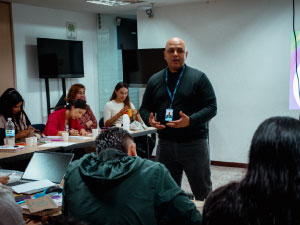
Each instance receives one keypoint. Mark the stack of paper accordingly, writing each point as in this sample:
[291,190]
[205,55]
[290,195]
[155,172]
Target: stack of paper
[6,148]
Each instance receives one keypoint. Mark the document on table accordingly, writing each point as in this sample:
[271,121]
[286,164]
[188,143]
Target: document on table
[57,144]
[33,186]
[80,138]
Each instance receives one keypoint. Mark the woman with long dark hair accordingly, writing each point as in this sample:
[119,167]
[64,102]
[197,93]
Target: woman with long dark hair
[270,192]
[11,106]
[69,116]
[118,105]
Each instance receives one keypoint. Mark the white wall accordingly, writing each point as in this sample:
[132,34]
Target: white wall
[244,48]
[30,22]
[109,60]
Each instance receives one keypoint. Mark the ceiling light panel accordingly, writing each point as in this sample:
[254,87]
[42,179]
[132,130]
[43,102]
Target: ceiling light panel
[114,2]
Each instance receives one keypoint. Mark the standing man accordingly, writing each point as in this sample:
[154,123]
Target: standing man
[186,94]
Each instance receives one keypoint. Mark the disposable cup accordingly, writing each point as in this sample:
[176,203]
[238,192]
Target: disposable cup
[34,141]
[29,142]
[129,112]
[95,132]
[65,136]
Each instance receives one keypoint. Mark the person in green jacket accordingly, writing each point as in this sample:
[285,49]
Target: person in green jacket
[115,186]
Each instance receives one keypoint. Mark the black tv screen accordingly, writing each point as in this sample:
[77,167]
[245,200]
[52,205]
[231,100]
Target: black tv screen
[140,64]
[60,58]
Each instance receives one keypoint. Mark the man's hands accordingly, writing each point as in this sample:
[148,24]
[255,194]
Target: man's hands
[184,121]
[154,123]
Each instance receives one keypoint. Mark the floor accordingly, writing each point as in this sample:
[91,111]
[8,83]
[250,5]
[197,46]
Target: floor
[220,176]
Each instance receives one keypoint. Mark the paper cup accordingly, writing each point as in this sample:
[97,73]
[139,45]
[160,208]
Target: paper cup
[29,142]
[95,132]
[65,136]
[34,141]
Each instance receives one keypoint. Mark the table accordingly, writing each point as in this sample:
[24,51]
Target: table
[9,157]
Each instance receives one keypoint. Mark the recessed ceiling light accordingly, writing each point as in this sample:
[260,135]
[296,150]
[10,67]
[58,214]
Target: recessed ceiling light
[113,2]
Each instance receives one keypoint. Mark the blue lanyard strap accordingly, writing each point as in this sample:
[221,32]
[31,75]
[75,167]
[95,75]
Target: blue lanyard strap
[177,84]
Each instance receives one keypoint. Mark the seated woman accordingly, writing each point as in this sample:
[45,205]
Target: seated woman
[67,116]
[88,120]
[118,105]
[270,192]
[12,103]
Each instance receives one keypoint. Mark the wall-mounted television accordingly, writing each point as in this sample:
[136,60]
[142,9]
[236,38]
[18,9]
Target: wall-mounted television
[60,58]
[140,64]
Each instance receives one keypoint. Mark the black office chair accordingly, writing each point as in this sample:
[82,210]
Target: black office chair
[2,136]
[101,122]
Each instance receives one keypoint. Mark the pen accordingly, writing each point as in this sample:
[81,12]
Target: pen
[56,140]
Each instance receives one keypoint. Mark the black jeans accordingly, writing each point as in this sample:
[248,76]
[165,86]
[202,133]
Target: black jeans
[192,157]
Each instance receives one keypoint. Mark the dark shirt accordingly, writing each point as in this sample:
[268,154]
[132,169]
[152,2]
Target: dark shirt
[172,79]
[195,97]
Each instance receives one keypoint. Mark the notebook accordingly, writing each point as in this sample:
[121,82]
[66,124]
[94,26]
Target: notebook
[50,166]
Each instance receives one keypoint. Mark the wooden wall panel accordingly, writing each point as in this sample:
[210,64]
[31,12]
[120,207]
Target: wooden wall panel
[7,74]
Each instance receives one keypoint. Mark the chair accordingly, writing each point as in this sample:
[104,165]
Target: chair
[39,127]
[2,136]
[101,122]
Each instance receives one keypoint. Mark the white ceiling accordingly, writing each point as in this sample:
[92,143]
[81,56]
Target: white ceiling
[82,6]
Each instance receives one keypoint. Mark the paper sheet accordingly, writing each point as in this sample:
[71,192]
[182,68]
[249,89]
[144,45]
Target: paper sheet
[31,186]
[80,138]
[57,144]
[39,204]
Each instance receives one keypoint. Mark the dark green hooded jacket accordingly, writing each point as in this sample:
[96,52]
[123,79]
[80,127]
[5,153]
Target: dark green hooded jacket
[114,188]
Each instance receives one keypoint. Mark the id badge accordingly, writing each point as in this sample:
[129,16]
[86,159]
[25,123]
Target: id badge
[169,115]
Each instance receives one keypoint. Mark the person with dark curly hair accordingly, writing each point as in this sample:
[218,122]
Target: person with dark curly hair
[12,104]
[270,192]
[69,116]
[114,186]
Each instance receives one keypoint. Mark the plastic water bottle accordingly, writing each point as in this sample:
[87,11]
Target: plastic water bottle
[10,132]
[126,122]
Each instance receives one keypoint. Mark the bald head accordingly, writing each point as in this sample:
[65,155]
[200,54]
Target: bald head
[175,53]
[174,41]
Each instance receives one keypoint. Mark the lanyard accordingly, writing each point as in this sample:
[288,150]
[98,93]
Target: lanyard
[178,81]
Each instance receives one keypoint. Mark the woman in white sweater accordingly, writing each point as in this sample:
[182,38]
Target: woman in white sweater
[118,105]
